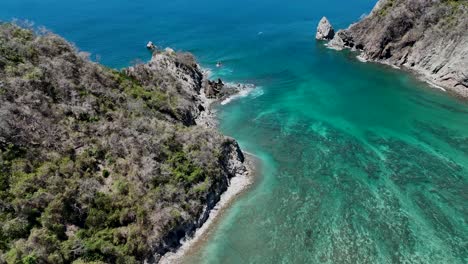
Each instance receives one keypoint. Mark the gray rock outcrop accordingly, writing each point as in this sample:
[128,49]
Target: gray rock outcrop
[181,74]
[325,30]
[425,36]
[341,40]
[213,88]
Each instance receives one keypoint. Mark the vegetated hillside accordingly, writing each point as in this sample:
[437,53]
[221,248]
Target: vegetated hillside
[98,164]
[427,36]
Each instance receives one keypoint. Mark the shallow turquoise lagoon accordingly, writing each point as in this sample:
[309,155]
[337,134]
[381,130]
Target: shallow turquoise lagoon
[362,163]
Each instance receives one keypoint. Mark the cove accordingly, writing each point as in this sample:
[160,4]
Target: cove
[367,167]
[361,163]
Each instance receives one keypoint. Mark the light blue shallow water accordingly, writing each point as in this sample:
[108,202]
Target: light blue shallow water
[361,163]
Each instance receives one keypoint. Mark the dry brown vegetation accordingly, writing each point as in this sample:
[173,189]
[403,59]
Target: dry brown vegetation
[97,164]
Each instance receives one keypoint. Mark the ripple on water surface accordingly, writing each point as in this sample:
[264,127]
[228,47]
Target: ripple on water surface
[350,180]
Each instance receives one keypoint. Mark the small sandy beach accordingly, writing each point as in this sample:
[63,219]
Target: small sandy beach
[238,185]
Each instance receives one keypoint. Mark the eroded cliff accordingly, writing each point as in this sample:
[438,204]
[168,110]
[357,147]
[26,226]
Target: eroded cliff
[429,37]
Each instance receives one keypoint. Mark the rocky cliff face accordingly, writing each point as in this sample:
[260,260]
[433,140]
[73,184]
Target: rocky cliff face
[98,164]
[182,78]
[325,30]
[429,37]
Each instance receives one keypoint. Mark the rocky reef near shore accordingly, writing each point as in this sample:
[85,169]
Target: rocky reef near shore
[429,37]
[99,165]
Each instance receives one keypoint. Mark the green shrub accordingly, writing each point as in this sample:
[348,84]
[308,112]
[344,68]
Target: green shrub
[202,187]
[121,187]
[23,35]
[29,259]
[184,170]
[388,5]
[105,173]
[16,228]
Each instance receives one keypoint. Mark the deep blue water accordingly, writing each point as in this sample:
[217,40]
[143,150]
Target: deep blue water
[118,30]
[361,163]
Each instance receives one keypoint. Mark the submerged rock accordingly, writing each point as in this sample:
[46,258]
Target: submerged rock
[325,30]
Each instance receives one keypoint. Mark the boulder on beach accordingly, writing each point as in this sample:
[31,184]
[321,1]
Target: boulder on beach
[325,30]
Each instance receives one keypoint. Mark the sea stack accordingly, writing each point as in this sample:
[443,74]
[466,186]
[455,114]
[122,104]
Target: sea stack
[325,30]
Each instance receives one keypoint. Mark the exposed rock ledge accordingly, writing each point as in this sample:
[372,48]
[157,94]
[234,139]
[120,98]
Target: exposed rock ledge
[325,30]
[424,36]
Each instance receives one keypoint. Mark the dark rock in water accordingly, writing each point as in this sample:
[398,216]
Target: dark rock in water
[150,46]
[428,37]
[325,30]
[213,88]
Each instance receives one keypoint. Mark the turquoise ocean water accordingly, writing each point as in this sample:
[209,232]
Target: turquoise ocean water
[362,163]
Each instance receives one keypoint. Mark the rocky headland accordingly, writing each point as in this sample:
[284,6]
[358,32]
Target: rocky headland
[105,166]
[428,37]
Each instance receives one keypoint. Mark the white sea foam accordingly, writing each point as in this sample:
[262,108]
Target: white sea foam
[257,92]
[223,71]
[436,86]
[242,93]
[245,90]
[361,58]
[207,72]
[220,72]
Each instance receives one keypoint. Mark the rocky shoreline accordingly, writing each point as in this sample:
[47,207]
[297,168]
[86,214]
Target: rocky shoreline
[241,165]
[238,185]
[428,38]
[118,165]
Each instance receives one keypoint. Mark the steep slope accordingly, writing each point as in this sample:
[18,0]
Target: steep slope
[427,36]
[98,164]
